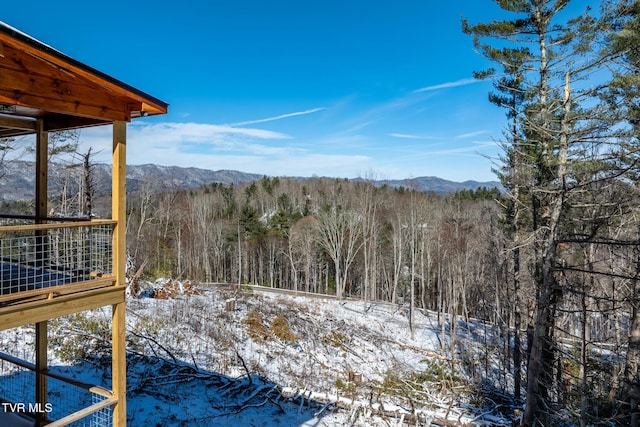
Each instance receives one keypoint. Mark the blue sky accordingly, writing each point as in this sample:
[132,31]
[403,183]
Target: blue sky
[289,88]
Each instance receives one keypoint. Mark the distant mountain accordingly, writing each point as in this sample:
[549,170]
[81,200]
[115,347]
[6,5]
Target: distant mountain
[438,185]
[17,179]
[174,177]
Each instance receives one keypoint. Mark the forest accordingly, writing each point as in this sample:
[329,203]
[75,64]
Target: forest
[451,254]
[551,260]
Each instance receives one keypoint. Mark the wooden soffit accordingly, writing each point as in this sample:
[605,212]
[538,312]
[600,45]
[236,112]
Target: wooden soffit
[37,81]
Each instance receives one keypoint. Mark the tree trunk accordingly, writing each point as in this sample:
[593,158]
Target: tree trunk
[539,370]
[631,369]
[517,357]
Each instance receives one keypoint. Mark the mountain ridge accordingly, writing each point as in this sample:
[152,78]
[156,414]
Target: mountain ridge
[17,179]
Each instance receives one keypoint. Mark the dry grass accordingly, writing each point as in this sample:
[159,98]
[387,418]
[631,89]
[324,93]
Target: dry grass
[255,326]
[280,328]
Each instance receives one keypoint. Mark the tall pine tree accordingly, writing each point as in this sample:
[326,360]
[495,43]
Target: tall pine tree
[558,143]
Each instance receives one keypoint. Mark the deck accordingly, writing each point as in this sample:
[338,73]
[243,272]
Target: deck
[16,278]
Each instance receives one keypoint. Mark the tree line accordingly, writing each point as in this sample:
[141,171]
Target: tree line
[334,236]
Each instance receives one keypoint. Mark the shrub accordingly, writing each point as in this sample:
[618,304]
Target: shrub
[346,387]
[255,326]
[336,339]
[80,337]
[280,328]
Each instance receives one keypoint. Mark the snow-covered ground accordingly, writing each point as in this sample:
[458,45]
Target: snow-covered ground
[273,359]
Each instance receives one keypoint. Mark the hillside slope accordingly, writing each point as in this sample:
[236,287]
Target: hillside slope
[223,356]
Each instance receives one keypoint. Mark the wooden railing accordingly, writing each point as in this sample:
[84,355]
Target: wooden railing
[47,260]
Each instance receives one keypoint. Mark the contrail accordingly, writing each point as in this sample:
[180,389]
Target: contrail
[448,85]
[282,116]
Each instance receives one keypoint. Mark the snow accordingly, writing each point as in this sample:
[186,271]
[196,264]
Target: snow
[191,362]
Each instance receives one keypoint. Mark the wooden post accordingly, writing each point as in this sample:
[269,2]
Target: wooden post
[42,178]
[42,388]
[118,327]
[42,158]
[42,170]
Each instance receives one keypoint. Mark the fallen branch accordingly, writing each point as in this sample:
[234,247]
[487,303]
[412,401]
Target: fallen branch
[175,361]
[244,365]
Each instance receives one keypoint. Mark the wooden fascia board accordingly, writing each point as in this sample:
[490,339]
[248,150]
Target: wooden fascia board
[152,109]
[73,67]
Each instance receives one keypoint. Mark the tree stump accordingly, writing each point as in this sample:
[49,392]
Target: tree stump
[354,377]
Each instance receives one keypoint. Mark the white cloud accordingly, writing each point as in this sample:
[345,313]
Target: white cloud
[145,139]
[461,150]
[221,147]
[199,131]
[324,152]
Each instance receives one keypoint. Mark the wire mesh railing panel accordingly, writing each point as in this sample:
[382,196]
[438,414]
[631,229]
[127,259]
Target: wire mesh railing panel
[17,384]
[101,418]
[39,258]
[84,252]
[64,398]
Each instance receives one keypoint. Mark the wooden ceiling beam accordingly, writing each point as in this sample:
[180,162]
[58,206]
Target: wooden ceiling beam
[55,122]
[17,126]
[72,107]
[18,123]
[10,133]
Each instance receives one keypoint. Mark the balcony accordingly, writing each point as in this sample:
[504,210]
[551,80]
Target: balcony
[47,271]
[52,267]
